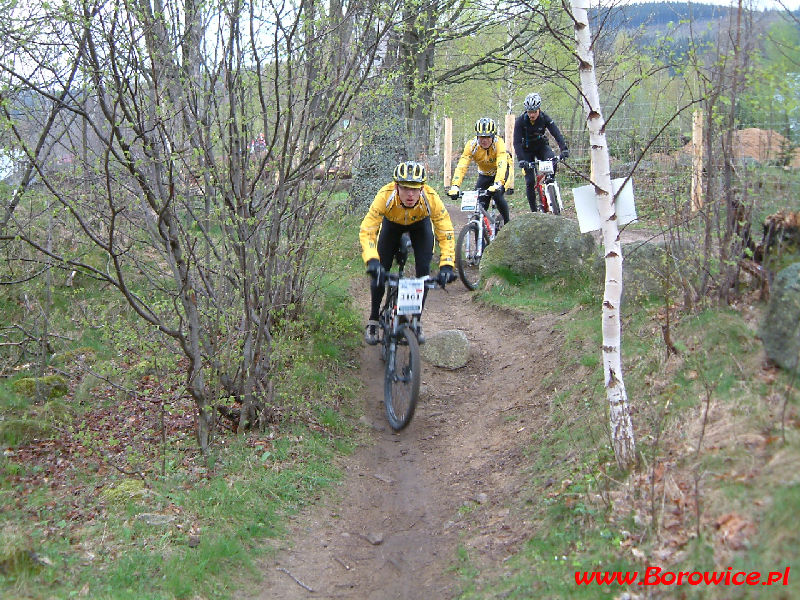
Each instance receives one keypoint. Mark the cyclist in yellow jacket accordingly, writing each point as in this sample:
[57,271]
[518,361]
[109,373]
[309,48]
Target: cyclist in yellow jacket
[495,168]
[405,204]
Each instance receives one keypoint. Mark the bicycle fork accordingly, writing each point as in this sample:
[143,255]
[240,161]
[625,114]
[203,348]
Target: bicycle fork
[391,362]
[479,241]
[392,335]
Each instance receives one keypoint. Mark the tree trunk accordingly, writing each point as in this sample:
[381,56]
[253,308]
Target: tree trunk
[418,52]
[622,437]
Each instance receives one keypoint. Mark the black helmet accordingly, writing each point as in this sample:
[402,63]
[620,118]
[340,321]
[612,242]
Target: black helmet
[486,127]
[410,174]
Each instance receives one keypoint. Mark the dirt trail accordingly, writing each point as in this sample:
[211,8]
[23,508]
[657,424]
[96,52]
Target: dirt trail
[408,500]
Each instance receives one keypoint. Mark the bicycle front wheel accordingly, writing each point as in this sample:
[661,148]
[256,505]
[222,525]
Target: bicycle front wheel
[552,199]
[401,383]
[468,260]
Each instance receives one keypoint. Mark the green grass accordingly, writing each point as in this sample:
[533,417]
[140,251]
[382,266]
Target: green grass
[545,294]
[243,491]
[244,501]
[88,526]
[573,476]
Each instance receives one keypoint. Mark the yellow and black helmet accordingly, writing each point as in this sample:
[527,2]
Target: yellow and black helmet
[486,127]
[410,174]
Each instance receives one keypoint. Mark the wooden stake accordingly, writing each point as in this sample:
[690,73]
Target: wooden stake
[697,161]
[448,152]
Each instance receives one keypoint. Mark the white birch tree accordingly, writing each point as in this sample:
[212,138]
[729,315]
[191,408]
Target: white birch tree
[622,437]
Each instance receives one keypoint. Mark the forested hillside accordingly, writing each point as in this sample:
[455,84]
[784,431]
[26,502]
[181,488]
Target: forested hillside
[668,26]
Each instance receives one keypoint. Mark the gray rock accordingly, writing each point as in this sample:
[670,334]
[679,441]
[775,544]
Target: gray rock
[646,272]
[155,518]
[375,538]
[644,268]
[780,330]
[447,349]
[538,244]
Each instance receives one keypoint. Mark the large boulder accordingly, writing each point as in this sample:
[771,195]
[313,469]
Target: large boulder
[780,330]
[47,387]
[643,269]
[538,244]
[650,266]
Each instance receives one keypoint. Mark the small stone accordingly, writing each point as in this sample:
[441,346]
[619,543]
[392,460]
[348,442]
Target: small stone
[155,518]
[375,538]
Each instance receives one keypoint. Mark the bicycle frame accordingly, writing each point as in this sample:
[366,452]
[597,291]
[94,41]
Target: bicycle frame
[399,326]
[487,223]
[391,313]
[544,171]
[480,230]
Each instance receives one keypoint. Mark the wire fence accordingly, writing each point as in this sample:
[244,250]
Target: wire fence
[765,160]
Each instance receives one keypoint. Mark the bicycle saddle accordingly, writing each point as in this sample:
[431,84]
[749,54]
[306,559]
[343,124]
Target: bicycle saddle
[404,249]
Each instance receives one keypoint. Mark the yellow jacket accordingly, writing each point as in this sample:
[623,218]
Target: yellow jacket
[493,161]
[387,204]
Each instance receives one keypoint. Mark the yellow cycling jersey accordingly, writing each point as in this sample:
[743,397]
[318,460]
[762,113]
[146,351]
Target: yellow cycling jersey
[492,161]
[387,204]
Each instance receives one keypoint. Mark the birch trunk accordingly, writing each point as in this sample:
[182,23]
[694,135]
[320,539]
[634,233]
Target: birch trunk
[622,437]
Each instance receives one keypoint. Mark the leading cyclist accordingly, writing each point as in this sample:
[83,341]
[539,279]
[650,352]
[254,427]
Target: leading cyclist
[405,204]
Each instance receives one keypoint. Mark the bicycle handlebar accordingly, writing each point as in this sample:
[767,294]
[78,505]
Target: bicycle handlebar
[431,282]
[531,164]
[482,193]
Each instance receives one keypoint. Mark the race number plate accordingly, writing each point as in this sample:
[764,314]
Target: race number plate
[469,200]
[545,166]
[409,296]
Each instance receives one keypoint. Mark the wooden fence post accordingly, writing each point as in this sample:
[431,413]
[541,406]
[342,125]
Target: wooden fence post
[697,161]
[447,155]
[509,131]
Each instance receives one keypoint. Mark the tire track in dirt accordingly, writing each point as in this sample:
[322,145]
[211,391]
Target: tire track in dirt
[408,500]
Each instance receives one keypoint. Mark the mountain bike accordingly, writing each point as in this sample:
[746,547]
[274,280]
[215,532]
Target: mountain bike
[399,334]
[480,230]
[547,188]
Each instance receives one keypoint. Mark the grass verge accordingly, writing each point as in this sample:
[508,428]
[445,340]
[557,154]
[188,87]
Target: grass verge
[103,491]
[716,427]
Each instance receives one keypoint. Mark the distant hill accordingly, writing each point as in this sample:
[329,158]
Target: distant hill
[650,22]
[657,14]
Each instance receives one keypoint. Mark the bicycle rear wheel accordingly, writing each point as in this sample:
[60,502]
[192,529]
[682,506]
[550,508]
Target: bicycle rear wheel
[401,381]
[467,259]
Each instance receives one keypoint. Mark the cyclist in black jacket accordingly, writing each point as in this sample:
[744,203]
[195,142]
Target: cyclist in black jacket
[530,142]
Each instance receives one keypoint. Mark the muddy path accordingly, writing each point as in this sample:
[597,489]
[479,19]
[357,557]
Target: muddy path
[409,500]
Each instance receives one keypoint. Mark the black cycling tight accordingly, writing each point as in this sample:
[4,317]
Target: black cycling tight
[540,153]
[485,182]
[421,234]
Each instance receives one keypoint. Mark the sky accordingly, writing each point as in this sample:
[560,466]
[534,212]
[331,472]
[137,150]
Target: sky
[774,4]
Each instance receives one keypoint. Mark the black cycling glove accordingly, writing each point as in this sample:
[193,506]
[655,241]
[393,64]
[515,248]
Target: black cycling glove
[446,275]
[376,271]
